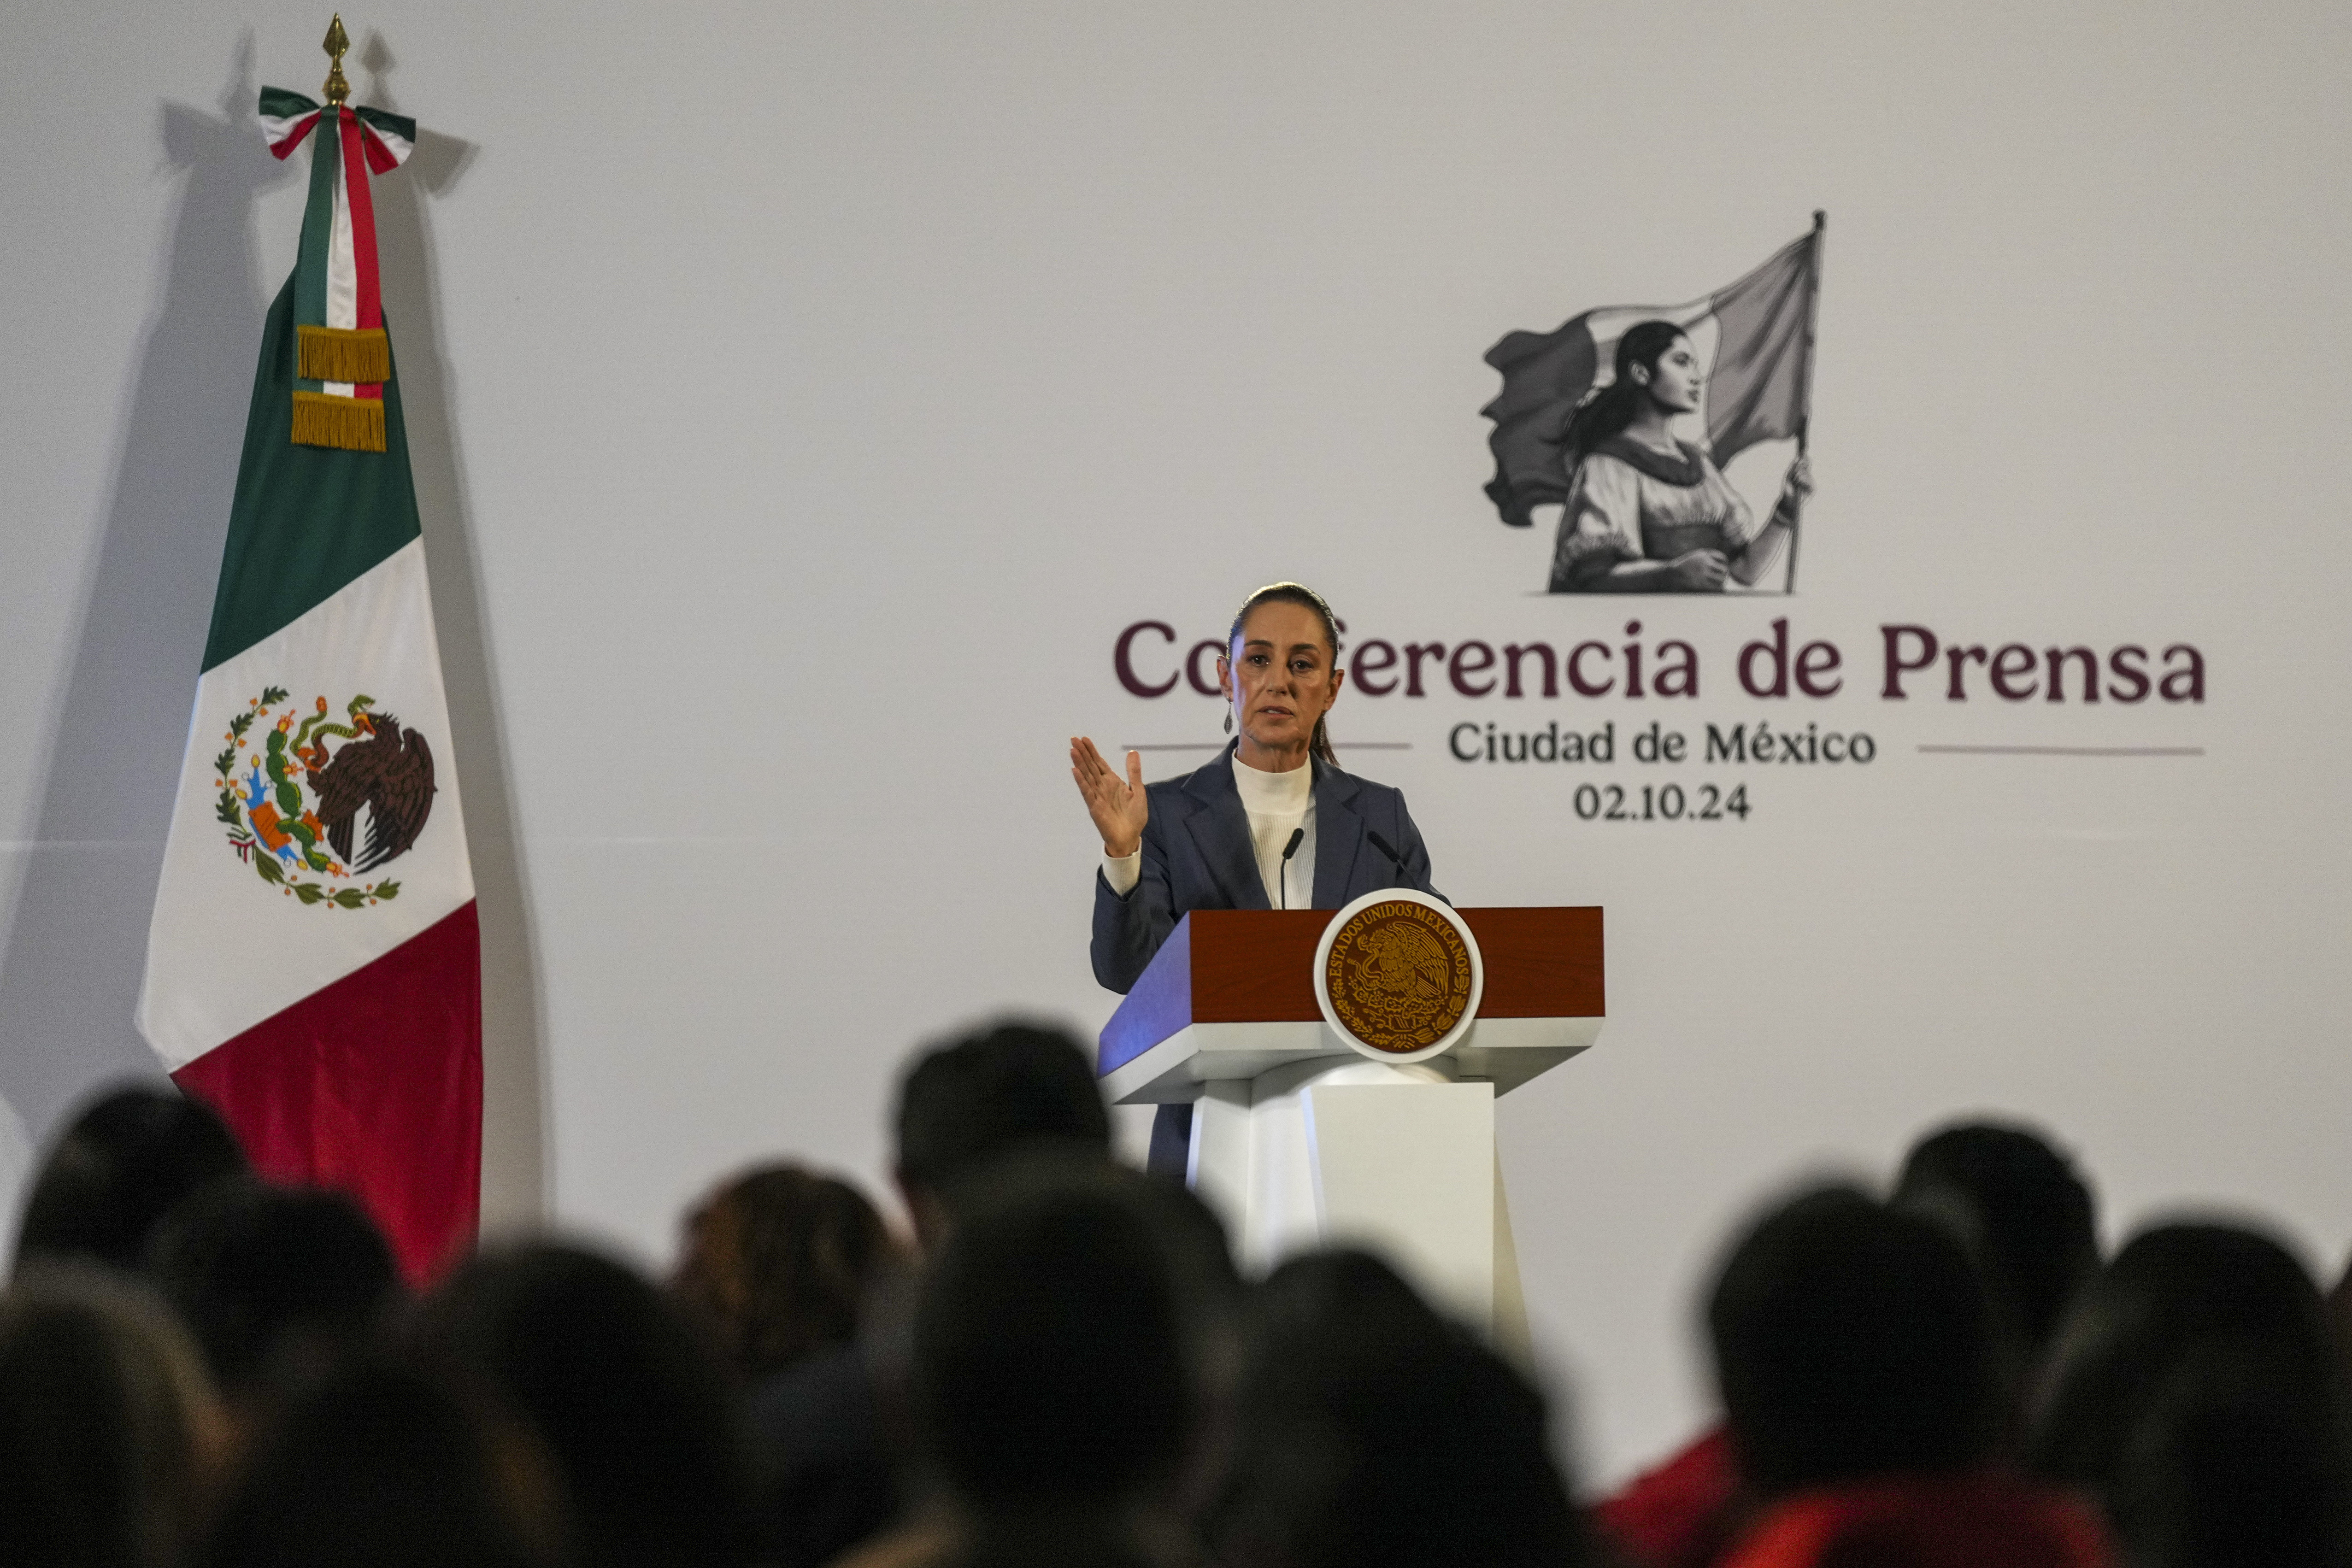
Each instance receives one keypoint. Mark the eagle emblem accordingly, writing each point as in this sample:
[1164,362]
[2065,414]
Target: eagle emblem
[1398,976]
[294,802]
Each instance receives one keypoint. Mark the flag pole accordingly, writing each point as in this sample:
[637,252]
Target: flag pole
[1805,426]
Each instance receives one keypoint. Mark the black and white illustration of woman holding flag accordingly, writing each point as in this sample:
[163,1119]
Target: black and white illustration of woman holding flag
[1599,457]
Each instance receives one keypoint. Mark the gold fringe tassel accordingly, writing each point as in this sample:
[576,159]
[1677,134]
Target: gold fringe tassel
[360,355]
[353,424]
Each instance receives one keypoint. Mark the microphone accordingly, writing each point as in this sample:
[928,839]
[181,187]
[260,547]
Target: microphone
[1288,850]
[1381,845]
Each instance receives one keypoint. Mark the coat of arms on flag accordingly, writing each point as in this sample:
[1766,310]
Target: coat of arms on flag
[1611,432]
[318,979]
[381,772]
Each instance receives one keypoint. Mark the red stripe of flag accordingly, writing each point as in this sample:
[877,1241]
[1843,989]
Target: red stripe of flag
[355,183]
[373,1085]
[283,148]
[379,156]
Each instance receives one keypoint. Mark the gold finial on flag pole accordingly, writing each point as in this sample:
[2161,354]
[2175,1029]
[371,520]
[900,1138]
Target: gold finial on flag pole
[337,89]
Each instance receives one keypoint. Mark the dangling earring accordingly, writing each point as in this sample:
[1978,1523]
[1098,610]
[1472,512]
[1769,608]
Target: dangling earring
[1229,721]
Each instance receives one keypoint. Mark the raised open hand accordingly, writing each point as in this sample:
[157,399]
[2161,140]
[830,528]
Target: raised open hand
[1119,806]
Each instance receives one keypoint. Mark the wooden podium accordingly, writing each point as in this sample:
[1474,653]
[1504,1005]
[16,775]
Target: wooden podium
[1299,1138]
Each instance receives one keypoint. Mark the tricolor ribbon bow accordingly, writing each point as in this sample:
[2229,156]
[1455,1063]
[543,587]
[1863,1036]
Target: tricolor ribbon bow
[341,358]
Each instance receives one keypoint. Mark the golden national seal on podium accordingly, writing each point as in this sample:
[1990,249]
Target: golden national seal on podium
[1398,975]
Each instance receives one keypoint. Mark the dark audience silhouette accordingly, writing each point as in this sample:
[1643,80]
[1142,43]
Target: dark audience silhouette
[382,1467]
[277,1284]
[2198,1393]
[631,1402]
[2027,1223]
[1066,1349]
[109,1440]
[1372,1433]
[1058,1366]
[1854,1351]
[123,1163]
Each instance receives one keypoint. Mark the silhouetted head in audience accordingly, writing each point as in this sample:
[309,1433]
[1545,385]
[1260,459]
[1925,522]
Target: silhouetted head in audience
[1851,1342]
[1069,1339]
[631,1401]
[277,1283]
[2238,1460]
[109,1437]
[119,1168]
[1371,1432]
[1340,1292]
[778,1263]
[2025,1219]
[975,1099]
[2173,1294]
[381,1467]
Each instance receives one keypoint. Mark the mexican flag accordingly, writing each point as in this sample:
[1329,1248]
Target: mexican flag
[313,967]
[1755,338]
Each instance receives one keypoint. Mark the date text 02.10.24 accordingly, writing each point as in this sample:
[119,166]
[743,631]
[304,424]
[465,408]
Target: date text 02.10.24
[1659,803]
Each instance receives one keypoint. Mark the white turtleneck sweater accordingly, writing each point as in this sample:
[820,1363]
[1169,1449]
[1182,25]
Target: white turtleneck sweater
[1277,805]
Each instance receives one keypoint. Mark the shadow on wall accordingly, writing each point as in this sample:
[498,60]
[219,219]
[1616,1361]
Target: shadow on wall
[72,957]
[514,1079]
[69,969]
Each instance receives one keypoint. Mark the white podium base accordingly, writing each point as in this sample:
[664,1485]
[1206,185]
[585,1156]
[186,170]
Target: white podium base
[1399,1160]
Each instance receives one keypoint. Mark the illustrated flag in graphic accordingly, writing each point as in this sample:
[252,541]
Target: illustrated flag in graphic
[313,967]
[1755,338]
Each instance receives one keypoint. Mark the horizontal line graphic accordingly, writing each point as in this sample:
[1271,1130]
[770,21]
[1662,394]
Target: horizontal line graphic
[2068,750]
[1220,745]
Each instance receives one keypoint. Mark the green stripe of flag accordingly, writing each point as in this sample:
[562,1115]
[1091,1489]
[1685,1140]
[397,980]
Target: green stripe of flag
[317,221]
[400,125]
[279,103]
[307,520]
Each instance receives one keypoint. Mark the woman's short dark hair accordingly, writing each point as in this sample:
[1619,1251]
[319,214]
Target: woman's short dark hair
[1346,1369]
[126,1160]
[1610,410]
[1297,593]
[632,1402]
[2174,1292]
[2021,1212]
[1851,1341]
[384,1467]
[973,1098]
[778,1261]
[107,1422]
[2240,1459]
[1067,1336]
[277,1283]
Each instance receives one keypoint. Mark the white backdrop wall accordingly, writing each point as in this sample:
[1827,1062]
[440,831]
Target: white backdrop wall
[803,397]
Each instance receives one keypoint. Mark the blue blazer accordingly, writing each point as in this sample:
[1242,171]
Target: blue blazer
[1197,855]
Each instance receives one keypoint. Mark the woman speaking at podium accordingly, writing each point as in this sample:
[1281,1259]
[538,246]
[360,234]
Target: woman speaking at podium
[1272,823]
